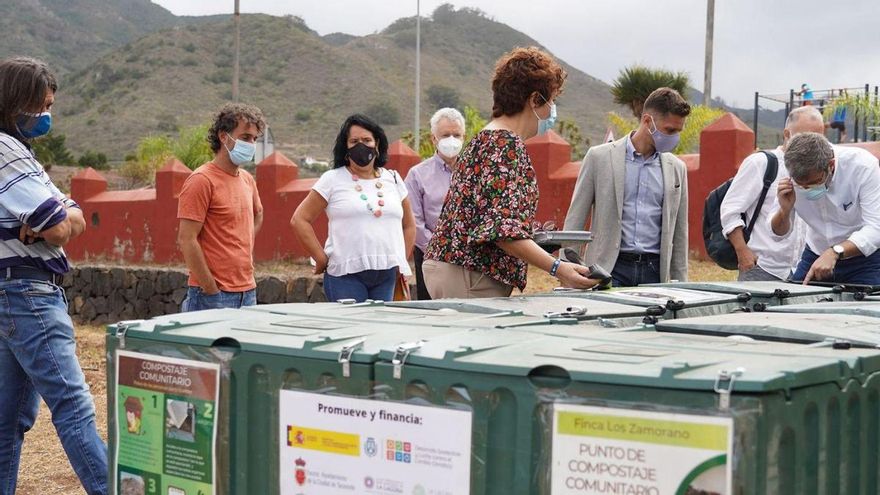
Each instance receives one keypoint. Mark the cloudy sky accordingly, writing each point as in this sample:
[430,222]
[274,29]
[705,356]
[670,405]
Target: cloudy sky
[760,45]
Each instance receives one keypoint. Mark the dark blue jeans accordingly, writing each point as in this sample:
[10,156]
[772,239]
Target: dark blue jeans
[38,359]
[856,270]
[628,273]
[368,284]
[196,300]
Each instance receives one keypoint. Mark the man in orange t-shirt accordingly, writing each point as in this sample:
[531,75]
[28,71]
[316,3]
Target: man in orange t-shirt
[220,213]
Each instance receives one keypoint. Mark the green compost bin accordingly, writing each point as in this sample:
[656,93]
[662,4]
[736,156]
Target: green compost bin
[862,308]
[664,299]
[761,417]
[762,294]
[257,358]
[806,328]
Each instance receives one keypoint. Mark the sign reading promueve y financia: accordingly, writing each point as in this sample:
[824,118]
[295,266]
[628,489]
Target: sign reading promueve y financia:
[331,445]
[600,450]
[166,425]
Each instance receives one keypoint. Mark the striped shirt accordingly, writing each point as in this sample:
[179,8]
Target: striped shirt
[28,196]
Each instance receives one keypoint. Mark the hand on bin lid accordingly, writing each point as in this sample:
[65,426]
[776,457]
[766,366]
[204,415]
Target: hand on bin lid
[596,271]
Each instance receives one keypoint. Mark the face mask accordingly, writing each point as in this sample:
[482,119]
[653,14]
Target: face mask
[545,125]
[449,146]
[663,143]
[33,125]
[815,193]
[361,154]
[242,152]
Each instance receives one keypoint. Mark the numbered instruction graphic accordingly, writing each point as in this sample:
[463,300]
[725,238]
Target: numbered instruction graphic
[166,426]
[599,450]
[336,445]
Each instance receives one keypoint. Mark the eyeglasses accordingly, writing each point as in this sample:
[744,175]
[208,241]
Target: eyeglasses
[547,226]
[807,187]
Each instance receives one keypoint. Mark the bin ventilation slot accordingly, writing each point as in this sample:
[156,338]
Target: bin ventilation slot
[549,376]
[227,343]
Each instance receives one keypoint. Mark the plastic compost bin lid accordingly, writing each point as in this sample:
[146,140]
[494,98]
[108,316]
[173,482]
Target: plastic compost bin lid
[760,289]
[533,305]
[857,330]
[863,308]
[642,364]
[279,334]
[657,295]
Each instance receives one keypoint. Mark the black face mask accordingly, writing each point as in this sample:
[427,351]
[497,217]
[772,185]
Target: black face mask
[361,154]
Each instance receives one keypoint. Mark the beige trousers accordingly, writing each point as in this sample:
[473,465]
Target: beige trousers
[445,280]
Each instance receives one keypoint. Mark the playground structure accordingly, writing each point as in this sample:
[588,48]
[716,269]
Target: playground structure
[864,127]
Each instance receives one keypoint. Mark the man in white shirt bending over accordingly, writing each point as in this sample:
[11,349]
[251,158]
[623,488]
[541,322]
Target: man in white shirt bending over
[764,258]
[836,191]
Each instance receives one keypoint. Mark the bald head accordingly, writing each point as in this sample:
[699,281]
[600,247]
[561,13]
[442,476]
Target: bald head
[804,119]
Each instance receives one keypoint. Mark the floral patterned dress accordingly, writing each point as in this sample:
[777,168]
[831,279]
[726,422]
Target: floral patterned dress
[493,196]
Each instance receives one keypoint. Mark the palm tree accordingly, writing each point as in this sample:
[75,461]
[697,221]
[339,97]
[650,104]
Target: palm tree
[634,84]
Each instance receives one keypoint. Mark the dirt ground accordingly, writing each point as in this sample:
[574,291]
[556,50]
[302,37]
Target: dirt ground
[44,467]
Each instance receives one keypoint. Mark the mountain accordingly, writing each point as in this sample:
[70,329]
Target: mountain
[305,83]
[70,34]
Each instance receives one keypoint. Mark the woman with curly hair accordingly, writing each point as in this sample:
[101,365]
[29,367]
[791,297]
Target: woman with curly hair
[483,242]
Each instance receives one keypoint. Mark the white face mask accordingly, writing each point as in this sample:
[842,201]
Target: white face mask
[449,146]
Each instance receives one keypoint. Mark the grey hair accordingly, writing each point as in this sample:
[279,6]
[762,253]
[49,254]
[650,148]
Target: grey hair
[807,153]
[806,112]
[451,114]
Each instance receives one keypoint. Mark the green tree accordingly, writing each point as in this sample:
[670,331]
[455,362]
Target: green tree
[571,132]
[93,159]
[190,146]
[635,83]
[52,150]
[384,112]
[443,96]
[700,117]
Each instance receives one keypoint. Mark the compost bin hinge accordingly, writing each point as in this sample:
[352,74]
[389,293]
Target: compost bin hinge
[345,356]
[122,329]
[400,355]
[569,312]
[724,384]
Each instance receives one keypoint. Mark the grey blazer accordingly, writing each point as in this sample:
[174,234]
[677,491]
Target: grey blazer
[600,187]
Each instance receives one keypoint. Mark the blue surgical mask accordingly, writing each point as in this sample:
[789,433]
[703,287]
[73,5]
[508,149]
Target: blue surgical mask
[242,152]
[545,125]
[816,192]
[34,125]
[663,143]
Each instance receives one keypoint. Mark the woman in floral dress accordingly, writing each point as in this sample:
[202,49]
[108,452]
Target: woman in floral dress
[482,245]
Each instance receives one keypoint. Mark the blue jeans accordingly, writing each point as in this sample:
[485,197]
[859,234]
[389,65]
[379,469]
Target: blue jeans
[628,273]
[38,359]
[368,284]
[856,270]
[196,300]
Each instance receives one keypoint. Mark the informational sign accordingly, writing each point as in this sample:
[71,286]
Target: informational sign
[166,425]
[659,295]
[333,445]
[599,450]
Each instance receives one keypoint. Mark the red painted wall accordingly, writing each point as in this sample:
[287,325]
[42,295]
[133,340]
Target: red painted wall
[141,225]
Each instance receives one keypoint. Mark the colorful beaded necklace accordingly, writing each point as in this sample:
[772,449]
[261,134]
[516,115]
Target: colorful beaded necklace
[376,211]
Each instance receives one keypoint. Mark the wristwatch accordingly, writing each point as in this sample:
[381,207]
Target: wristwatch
[838,250]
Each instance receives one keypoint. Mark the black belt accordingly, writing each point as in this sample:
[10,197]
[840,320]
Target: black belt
[31,273]
[638,257]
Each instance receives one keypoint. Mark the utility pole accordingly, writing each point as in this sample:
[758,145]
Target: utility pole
[710,33]
[237,48]
[418,67]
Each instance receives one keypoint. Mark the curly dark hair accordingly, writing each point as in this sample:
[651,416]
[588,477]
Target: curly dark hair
[521,72]
[24,84]
[340,149]
[667,100]
[228,119]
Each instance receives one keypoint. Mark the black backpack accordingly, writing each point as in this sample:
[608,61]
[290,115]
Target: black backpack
[719,248]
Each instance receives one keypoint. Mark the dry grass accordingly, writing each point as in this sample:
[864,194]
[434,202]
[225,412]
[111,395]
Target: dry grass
[44,467]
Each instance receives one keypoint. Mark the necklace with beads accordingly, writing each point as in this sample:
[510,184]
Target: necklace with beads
[376,211]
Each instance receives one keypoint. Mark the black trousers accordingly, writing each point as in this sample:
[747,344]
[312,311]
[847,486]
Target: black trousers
[421,290]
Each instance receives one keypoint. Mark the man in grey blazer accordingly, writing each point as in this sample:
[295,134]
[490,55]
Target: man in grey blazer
[637,191]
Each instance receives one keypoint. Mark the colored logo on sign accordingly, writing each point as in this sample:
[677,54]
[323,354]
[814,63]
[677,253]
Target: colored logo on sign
[370,447]
[398,451]
[300,474]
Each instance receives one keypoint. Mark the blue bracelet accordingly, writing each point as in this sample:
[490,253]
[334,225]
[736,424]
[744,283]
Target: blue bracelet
[555,267]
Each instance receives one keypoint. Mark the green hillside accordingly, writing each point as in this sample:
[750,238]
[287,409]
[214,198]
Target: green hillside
[305,83]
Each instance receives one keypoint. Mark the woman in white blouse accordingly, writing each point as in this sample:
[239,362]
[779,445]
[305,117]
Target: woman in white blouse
[371,225]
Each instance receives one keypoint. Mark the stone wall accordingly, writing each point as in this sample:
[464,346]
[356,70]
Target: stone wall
[107,294]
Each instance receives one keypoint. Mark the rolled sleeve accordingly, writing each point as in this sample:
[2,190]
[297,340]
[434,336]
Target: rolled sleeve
[743,193]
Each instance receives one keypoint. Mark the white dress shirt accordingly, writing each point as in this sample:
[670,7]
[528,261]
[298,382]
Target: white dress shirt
[850,210]
[776,256]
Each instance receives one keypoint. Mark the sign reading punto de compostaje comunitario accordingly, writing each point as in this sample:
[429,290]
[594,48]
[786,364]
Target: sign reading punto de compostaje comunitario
[601,450]
[166,425]
[331,445]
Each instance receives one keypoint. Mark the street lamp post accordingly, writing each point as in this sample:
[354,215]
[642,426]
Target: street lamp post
[418,66]
[710,34]
[237,48]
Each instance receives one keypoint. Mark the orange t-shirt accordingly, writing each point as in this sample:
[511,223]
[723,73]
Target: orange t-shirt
[226,205]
